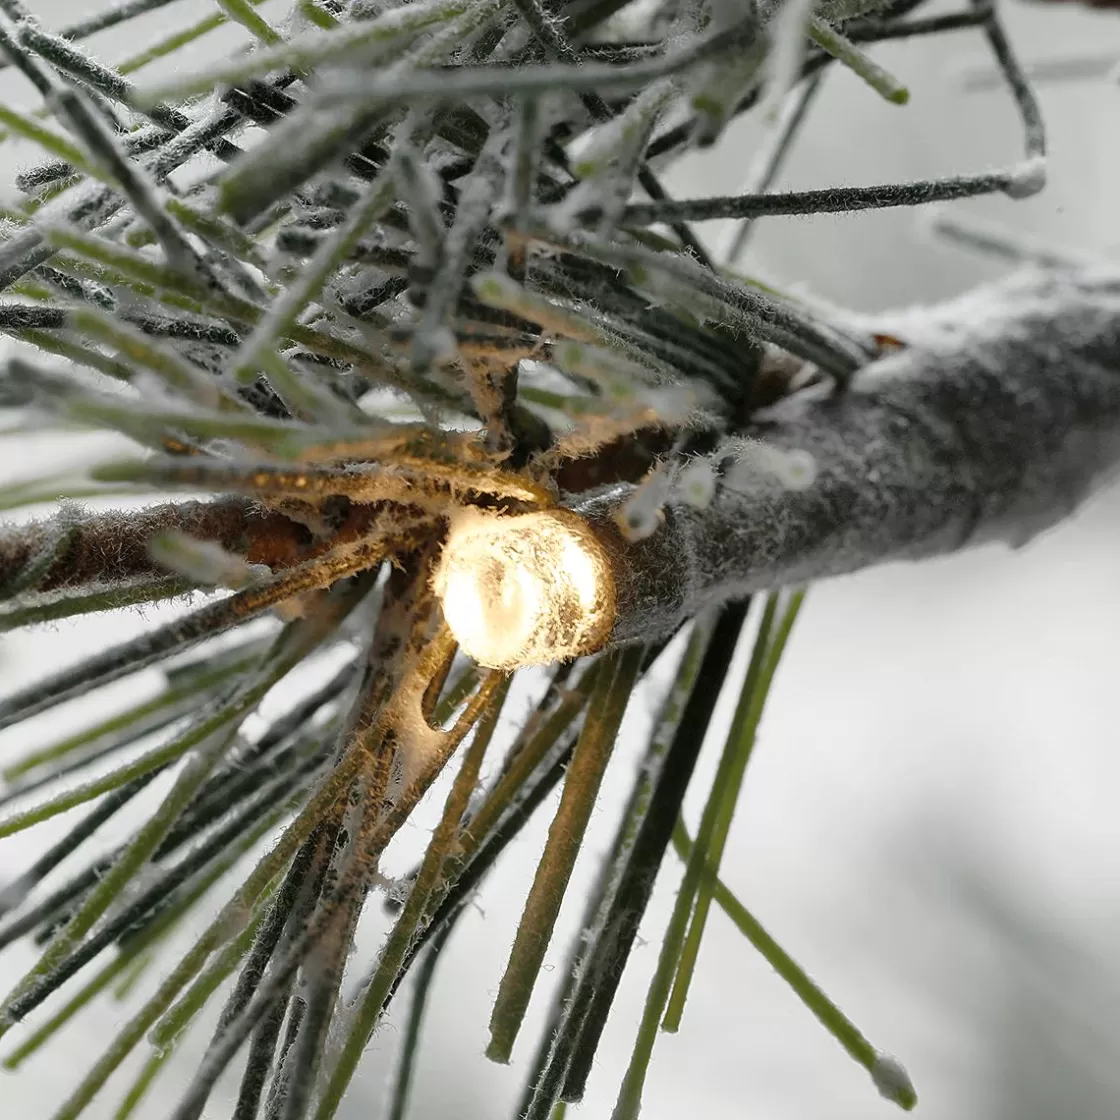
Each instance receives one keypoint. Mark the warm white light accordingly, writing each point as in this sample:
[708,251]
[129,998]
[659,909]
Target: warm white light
[526,589]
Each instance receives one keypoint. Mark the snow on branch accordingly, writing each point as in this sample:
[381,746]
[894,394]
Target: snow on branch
[997,419]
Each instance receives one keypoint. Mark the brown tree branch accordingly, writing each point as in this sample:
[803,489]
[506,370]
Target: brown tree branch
[111,548]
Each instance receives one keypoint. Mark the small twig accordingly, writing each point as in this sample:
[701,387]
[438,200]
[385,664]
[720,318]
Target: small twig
[830,200]
[1004,243]
[1021,181]
[767,163]
[110,17]
[890,1077]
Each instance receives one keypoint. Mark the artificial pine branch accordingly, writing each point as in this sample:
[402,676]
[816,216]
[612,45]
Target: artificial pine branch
[997,417]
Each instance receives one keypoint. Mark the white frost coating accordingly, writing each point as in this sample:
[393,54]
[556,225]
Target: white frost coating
[524,590]
[794,469]
[892,1081]
[619,378]
[697,483]
[417,741]
[987,314]
[783,62]
[641,515]
[443,345]
[620,139]
[414,175]
[202,561]
[589,194]
[675,404]
[1027,178]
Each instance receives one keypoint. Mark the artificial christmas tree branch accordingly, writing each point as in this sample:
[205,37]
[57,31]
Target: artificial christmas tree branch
[999,420]
[393,292]
[997,415]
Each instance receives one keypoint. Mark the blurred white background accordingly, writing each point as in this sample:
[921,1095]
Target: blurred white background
[930,822]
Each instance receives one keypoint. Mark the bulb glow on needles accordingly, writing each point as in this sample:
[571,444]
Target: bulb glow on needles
[527,589]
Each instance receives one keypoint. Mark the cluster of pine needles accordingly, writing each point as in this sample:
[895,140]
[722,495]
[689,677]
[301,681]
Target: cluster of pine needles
[385,261]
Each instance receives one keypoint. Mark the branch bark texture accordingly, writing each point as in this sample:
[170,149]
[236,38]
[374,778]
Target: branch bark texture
[109,548]
[997,418]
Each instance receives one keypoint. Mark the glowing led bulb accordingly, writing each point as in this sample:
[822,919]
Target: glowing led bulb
[526,589]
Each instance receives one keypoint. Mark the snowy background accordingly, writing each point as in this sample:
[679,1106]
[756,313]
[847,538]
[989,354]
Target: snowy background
[929,824]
